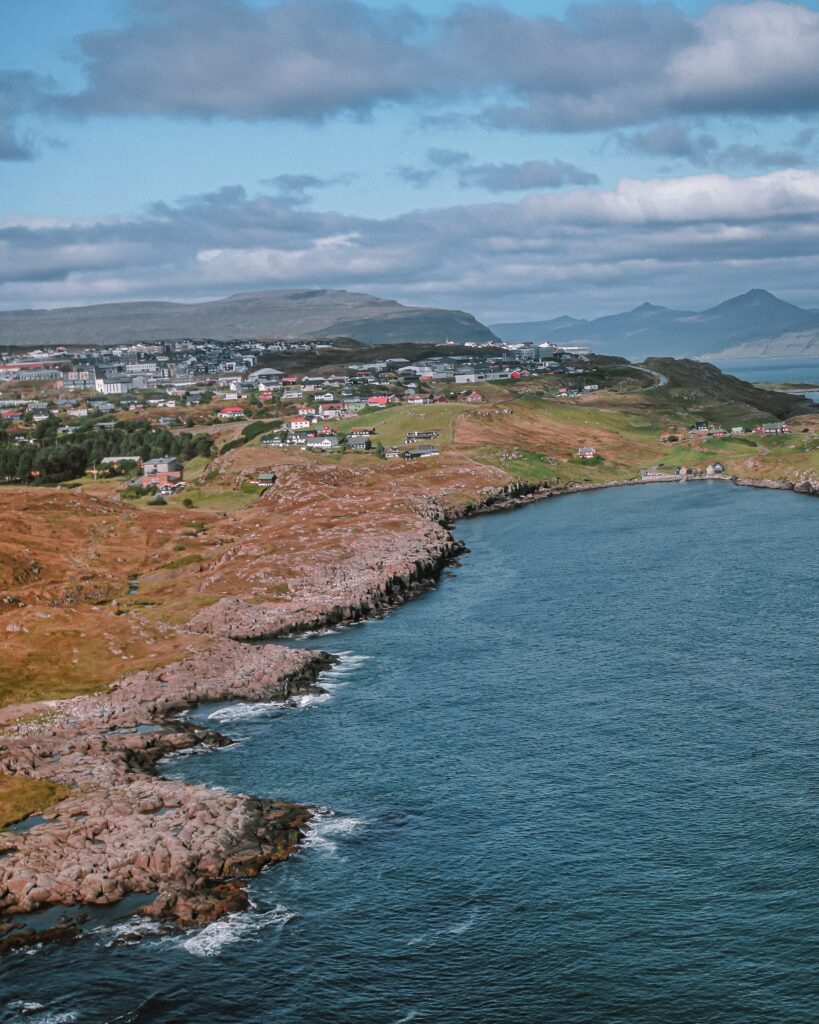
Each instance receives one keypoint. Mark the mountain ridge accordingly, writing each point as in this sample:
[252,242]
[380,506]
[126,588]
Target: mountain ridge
[275,313]
[753,324]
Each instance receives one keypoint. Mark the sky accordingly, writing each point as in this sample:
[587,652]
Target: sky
[517,159]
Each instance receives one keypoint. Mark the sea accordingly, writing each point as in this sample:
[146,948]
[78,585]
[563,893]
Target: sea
[575,783]
[773,370]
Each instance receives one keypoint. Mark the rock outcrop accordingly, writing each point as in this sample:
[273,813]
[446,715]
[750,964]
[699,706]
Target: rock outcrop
[127,830]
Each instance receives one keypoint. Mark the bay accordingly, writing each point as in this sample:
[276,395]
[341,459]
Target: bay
[577,782]
[774,370]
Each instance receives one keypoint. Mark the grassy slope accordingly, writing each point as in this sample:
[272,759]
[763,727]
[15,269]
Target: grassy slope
[704,388]
[63,633]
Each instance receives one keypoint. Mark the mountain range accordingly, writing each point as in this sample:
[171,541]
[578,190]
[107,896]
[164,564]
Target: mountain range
[317,313]
[752,325]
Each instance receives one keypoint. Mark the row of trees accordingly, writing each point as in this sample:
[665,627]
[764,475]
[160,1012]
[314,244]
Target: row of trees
[52,457]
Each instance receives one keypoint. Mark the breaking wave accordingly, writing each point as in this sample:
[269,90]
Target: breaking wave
[241,712]
[235,928]
[347,663]
[127,933]
[327,827]
[308,700]
[31,1012]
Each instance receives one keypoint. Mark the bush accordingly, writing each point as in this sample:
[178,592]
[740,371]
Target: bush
[255,428]
[231,445]
[158,500]
[187,502]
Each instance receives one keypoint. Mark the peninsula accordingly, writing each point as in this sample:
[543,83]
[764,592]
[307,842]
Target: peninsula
[149,534]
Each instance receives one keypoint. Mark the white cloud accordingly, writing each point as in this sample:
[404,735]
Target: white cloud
[578,250]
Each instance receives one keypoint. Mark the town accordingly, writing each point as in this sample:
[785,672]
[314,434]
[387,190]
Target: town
[61,408]
[149,416]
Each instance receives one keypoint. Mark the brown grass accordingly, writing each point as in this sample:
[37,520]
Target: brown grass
[21,796]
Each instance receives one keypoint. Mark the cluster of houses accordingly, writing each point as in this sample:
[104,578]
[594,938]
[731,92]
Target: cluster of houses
[576,390]
[119,369]
[703,429]
[713,469]
[304,434]
[183,370]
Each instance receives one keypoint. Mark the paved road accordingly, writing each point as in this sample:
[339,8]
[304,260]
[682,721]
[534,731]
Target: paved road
[660,378]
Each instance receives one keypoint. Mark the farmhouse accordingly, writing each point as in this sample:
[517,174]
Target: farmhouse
[322,443]
[163,472]
[423,451]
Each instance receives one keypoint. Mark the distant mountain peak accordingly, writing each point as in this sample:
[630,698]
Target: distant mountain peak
[649,307]
[754,323]
[756,298]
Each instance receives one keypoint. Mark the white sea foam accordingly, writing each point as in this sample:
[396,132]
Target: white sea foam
[347,663]
[463,926]
[21,1006]
[326,828]
[309,700]
[329,681]
[242,711]
[177,755]
[333,678]
[234,928]
[65,1017]
[123,931]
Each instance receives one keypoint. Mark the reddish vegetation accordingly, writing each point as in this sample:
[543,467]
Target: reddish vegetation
[311,551]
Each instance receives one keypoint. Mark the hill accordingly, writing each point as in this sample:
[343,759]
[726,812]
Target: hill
[317,313]
[534,330]
[705,389]
[754,324]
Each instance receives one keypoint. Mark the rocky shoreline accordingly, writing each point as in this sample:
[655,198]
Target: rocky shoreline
[516,495]
[131,831]
[192,848]
[128,830]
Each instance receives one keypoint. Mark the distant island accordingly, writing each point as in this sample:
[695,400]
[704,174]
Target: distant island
[279,313]
[756,324]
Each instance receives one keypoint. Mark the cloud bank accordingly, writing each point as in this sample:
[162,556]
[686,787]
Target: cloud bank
[601,66]
[679,240]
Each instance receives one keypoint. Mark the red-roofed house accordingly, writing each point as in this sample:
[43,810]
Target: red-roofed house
[231,412]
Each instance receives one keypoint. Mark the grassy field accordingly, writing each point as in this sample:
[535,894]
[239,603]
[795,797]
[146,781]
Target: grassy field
[21,797]
[392,425]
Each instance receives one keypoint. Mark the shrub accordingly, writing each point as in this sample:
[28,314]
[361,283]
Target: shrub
[231,445]
[255,428]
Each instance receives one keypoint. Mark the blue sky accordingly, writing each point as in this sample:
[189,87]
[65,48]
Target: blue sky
[517,159]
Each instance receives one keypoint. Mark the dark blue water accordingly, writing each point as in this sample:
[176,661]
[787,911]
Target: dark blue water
[577,783]
[799,371]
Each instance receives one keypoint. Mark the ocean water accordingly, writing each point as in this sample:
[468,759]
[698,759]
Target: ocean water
[575,784]
[772,370]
